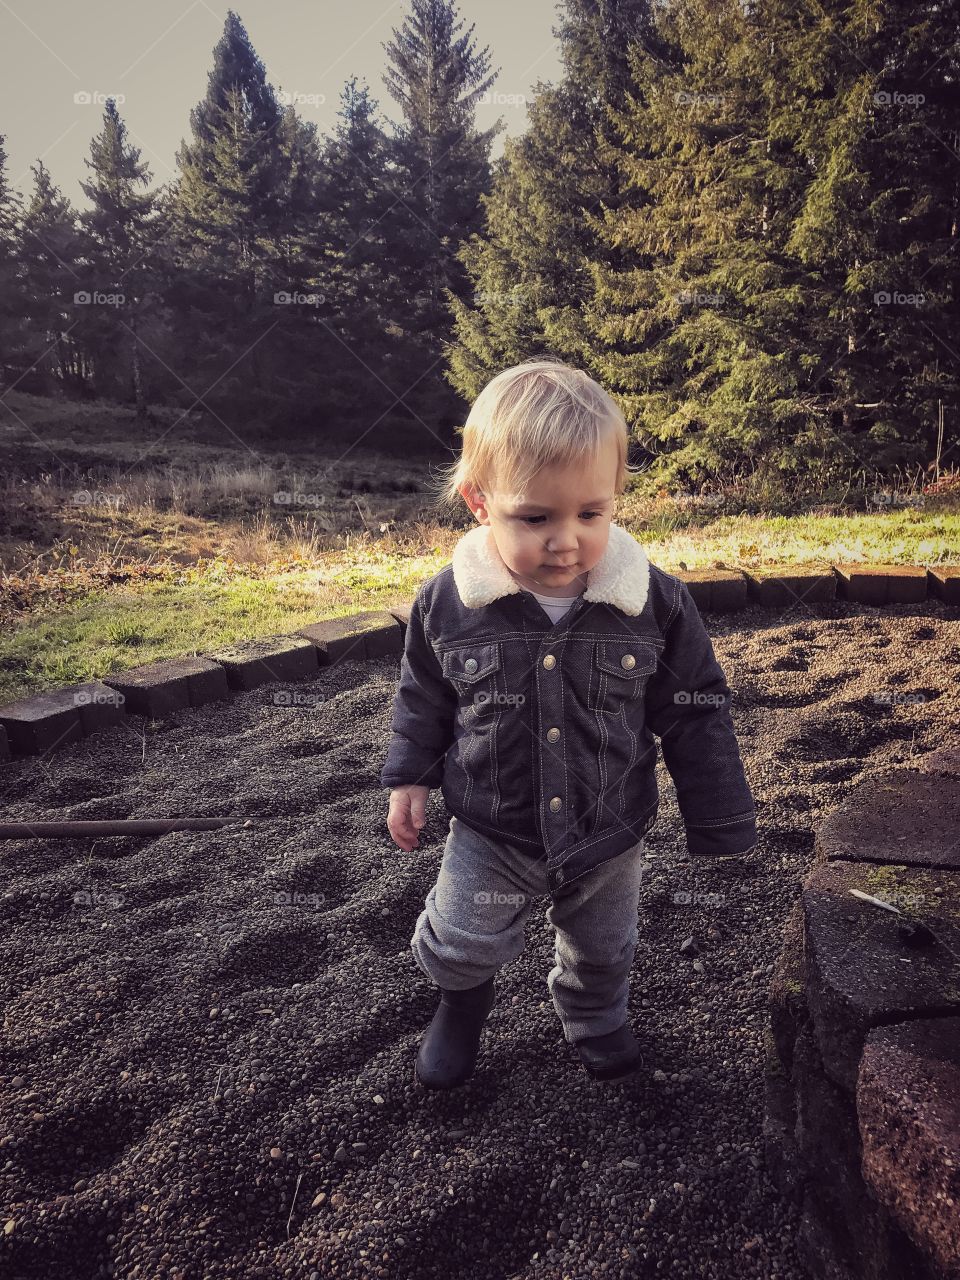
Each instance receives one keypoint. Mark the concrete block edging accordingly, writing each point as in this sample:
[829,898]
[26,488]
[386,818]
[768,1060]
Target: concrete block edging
[862,1056]
[38,724]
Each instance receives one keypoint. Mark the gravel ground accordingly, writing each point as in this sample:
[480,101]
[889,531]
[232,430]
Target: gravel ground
[206,1058]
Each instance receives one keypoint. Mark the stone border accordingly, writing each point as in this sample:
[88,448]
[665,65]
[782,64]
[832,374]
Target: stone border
[38,724]
[862,1117]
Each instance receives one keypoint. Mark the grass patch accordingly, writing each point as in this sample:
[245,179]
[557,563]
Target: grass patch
[905,536]
[83,625]
[111,630]
[124,542]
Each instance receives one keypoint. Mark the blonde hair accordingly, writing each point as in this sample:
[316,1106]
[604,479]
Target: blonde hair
[533,415]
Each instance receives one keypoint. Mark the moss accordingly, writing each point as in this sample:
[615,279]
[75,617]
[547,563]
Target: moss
[893,884]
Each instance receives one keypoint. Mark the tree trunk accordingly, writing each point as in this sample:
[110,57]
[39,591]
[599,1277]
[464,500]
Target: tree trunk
[136,371]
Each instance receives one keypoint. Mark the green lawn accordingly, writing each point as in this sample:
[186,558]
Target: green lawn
[106,629]
[904,535]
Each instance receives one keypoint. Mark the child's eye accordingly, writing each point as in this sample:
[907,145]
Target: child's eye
[535,519]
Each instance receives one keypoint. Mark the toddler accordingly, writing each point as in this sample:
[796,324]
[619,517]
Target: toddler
[538,666]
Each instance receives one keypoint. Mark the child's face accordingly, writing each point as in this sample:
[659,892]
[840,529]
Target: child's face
[563,521]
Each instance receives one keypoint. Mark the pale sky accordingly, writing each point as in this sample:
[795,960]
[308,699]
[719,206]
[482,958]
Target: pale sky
[59,59]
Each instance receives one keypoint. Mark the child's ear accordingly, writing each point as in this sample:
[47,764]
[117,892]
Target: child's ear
[474,498]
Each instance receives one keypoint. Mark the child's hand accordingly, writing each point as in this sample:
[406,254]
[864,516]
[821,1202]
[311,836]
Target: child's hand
[408,813]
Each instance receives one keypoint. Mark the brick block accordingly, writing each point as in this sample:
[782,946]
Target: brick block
[842,1230]
[778,590]
[716,590]
[855,975]
[880,584]
[785,996]
[372,634]
[39,724]
[908,1104]
[402,613]
[159,688]
[100,706]
[899,816]
[255,662]
[943,581]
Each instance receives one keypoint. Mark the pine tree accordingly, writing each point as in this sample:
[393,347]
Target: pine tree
[12,304]
[228,225]
[303,353]
[696,266]
[121,235]
[441,169]
[598,38]
[525,261]
[744,336]
[49,252]
[230,184]
[529,264]
[356,199]
[877,227]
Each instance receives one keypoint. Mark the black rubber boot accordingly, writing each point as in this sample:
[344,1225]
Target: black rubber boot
[613,1056]
[449,1047]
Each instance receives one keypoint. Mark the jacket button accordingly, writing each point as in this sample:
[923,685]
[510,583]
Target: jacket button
[470,664]
[556,803]
[553,735]
[628,661]
[549,662]
[560,877]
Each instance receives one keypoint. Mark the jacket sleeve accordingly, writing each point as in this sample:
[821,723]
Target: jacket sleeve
[424,712]
[688,708]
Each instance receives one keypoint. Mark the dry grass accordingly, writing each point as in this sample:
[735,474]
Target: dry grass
[118,556]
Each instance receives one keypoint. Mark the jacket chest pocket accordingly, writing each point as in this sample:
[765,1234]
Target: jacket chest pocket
[619,673]
[473,670]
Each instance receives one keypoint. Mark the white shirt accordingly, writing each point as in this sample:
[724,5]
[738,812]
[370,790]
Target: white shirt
[556,606]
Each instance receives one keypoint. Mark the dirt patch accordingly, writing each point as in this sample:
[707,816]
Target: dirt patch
[206,1059]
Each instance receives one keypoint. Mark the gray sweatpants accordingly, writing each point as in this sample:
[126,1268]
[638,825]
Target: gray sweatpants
[474,917]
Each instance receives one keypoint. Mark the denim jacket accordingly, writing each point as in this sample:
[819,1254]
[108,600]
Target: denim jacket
[541,734]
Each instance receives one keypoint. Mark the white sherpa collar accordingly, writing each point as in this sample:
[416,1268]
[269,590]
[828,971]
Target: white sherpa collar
[621,576]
